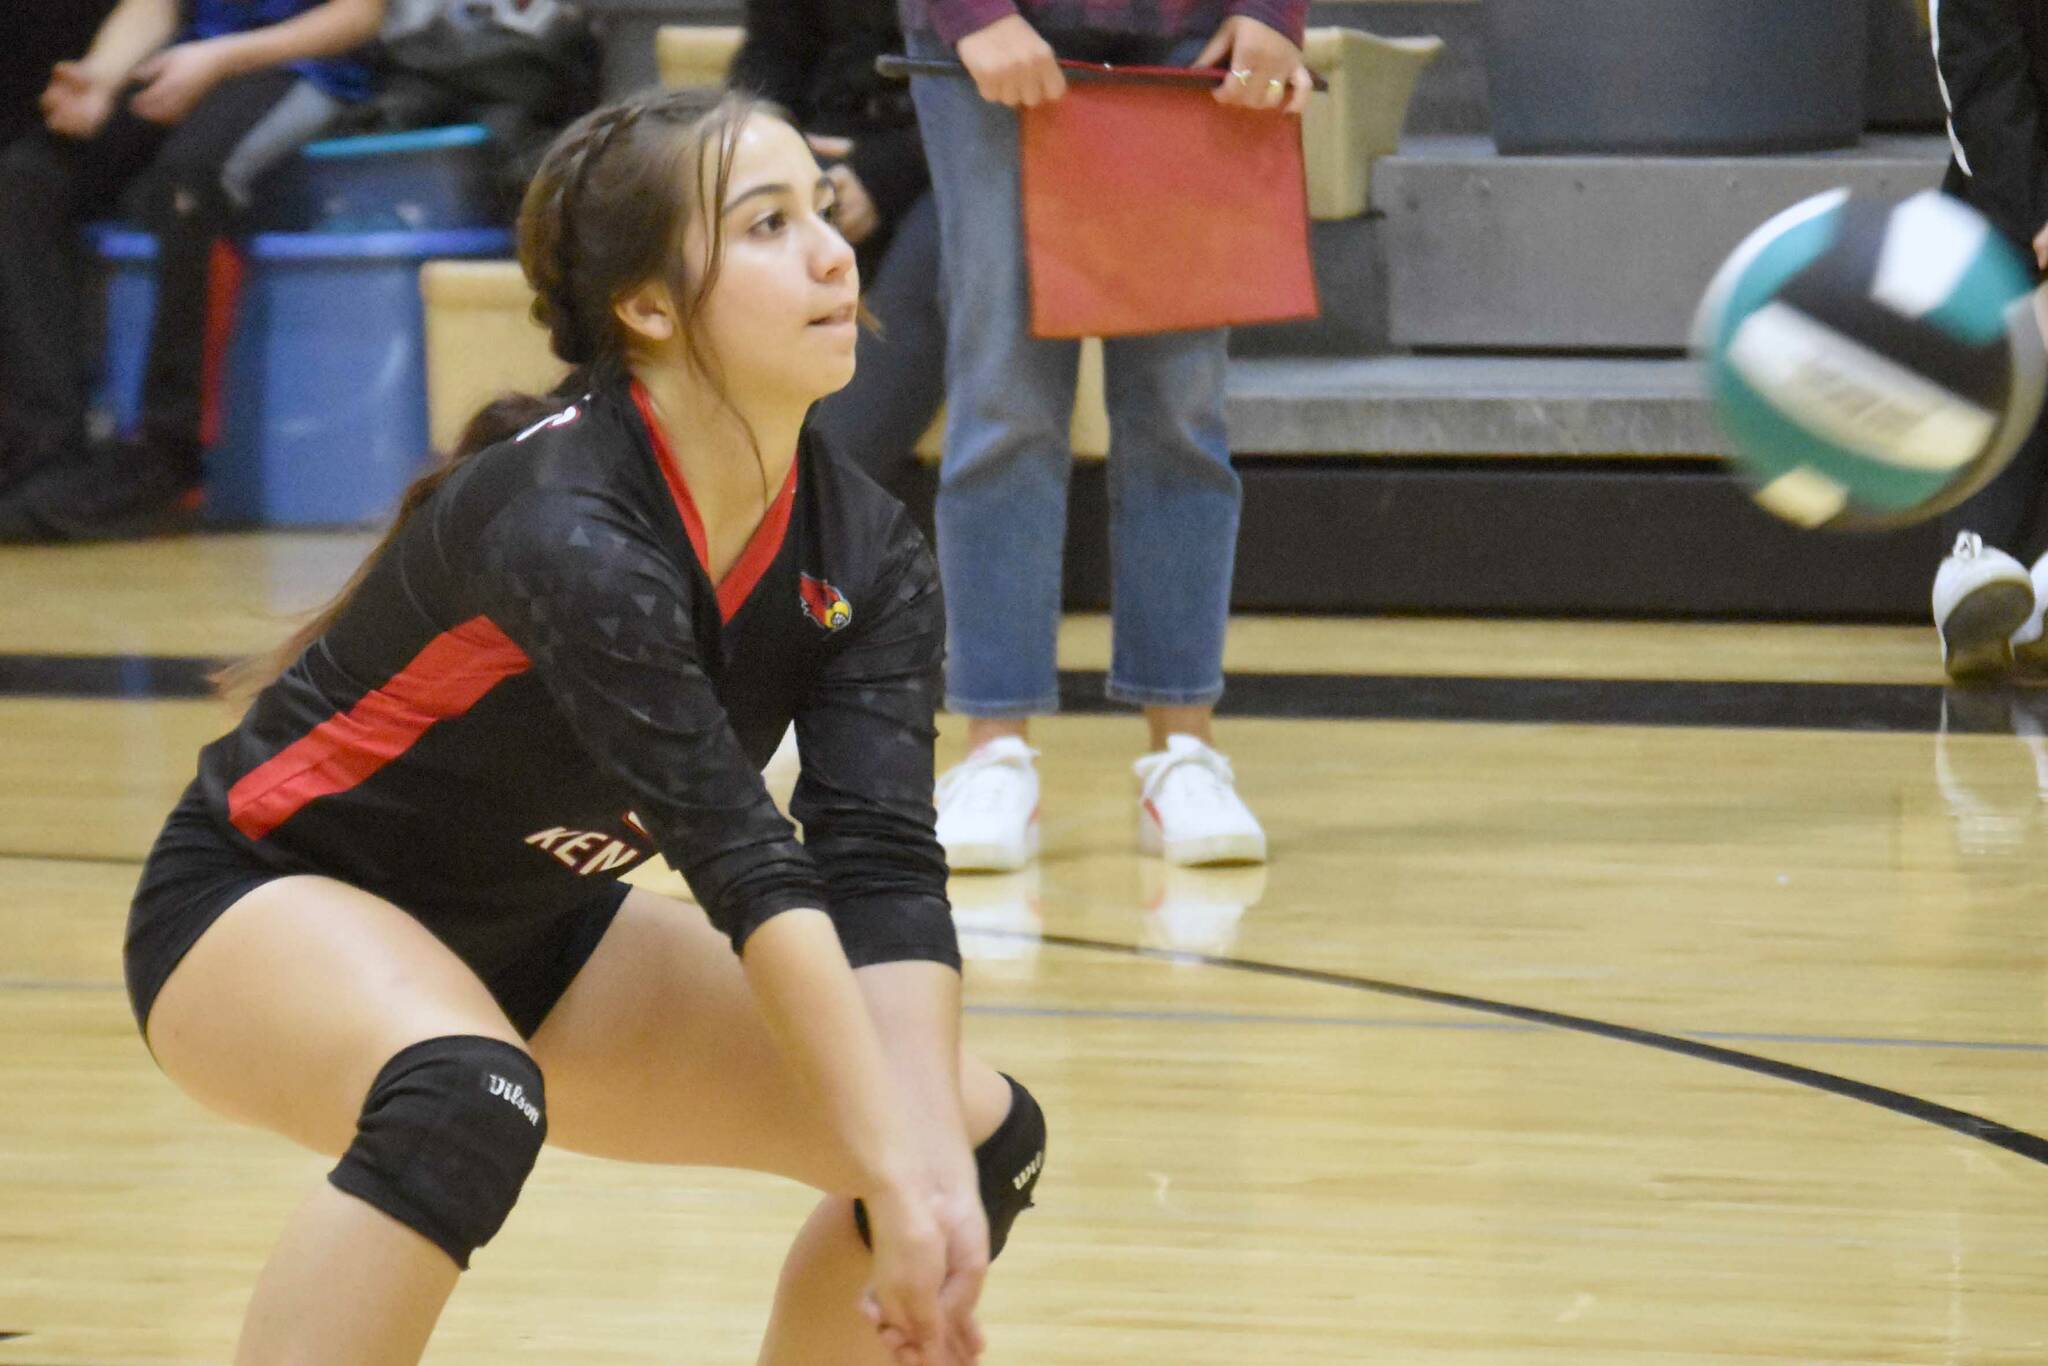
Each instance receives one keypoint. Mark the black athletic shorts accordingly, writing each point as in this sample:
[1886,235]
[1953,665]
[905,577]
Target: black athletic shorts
[196,872]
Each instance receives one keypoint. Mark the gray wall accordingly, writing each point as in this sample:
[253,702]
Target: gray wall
[1452,95]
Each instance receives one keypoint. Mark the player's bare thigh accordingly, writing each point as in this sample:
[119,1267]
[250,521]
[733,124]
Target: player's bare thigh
[658,1053]
[294,999]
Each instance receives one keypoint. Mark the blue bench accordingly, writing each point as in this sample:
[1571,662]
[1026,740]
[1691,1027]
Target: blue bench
[324,409]
[385,182]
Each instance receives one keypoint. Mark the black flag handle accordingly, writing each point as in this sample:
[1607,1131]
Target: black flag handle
[898,68]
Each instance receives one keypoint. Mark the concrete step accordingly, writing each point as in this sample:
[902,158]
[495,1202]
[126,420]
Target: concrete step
[1900,91]
[1488,252]
[1510,406]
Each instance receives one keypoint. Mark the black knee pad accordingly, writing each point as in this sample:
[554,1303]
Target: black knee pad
[449,1131]
[1009,1161]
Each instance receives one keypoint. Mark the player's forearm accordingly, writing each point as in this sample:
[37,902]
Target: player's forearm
[134,30]
[916,1009]
[820,1019]
[323,31]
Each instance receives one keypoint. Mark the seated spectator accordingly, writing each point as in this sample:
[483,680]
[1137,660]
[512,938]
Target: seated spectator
[524,69]
[816,58]
[39,37]
[188,101]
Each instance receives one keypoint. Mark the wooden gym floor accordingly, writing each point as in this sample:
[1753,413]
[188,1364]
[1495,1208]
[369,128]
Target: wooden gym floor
[1617,994]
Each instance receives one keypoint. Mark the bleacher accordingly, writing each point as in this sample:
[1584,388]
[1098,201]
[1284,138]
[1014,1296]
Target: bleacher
[1537,440]
[1533,439]
[1496,413]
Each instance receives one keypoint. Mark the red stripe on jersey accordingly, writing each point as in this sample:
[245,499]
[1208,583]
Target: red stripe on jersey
[762,546]
[692,523]
[443,681]
[761,550]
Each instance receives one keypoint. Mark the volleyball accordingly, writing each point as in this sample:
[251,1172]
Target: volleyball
[1872,363]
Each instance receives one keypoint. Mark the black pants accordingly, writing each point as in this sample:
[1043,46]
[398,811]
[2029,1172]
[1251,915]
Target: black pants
[899,377]
[54,185]
[38,37]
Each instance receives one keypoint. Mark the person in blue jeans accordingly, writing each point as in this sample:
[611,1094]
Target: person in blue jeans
[1001,512]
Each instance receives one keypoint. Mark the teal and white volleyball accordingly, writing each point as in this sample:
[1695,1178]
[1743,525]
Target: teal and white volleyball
[1872,362]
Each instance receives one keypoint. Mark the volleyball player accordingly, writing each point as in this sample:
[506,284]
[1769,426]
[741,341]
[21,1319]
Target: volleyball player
[385,919]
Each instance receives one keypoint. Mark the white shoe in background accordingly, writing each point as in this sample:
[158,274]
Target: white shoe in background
[1189,812]
[1981,597]
[2029,648]
[988,808]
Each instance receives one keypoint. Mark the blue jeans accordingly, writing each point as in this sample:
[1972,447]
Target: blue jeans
[1002,506]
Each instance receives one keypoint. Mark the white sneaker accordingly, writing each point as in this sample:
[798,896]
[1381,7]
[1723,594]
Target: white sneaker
[2029,648]
[1981,597]
[1188,809]
[988,808]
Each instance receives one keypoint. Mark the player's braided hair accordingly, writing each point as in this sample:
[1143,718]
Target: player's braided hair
[607,209]
[547,230]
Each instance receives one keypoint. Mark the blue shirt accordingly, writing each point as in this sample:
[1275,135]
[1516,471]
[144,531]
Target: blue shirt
[345,78]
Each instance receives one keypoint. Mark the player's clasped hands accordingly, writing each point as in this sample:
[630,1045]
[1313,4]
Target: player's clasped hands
[930,1259]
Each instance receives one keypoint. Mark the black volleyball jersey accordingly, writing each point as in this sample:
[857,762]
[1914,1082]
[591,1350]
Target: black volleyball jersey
[537,685]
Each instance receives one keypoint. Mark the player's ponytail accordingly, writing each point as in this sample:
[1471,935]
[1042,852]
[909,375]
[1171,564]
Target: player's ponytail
[606,211]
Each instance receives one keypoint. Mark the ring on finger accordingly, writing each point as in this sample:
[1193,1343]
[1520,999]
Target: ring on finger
[1243,74]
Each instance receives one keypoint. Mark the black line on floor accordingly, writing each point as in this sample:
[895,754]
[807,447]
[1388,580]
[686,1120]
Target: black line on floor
[1999,1135]
[2018,1141]
[1885,707]
[161,677]
[1579,701]
[32,856]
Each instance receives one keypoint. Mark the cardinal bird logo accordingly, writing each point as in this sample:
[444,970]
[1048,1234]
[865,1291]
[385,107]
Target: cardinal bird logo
[823,603]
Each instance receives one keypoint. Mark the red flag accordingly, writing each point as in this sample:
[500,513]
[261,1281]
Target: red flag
[1149,207]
